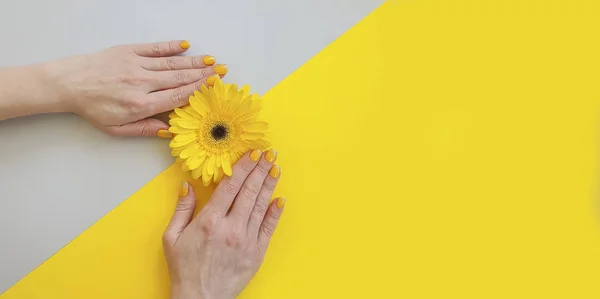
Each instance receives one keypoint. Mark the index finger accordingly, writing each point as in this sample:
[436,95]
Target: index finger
[223,197]
[162,49]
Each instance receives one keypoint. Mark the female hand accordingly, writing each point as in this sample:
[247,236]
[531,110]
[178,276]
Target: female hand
[216,254]
[119,89]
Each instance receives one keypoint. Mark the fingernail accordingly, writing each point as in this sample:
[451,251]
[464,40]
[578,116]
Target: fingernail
[185,189]
[255,155]
[208,60]
[275,171]
[221,69]
[210,81]
[184,44]
[164,134]
[280,202]
[271,155]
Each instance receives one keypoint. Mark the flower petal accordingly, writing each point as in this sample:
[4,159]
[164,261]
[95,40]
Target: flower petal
[252,135]
[219,90]
[195,161]
[218,163]
[199,104]
[189,151]
[196,173]
[218,175]
[182,113]
[190,110]
[185,137]
[211,165]
[245,90]
[184,167]
[205,176]
[226,161]
[261,144]
[179,130]
[184,123]
[258,126]
[174,144]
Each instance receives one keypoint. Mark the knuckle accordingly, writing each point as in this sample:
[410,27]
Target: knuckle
[208,224]
[232,187]
[176,95]
[197,62]
[167,238]
[247,167]
[180,78]
[145,131]
[262,171]
[207,72]
[233,241]
[184,206]
[135,104]
[267,230]
[269,185]
[169,63]
[249,191]
[156,49]
[260,209]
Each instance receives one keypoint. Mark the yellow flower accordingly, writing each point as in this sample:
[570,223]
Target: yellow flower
[217,127]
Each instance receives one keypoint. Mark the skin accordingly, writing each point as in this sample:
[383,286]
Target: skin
[211,256]
[217,253]
[118,90]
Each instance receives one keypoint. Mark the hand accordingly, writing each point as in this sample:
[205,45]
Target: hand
[119,89]
[215,255]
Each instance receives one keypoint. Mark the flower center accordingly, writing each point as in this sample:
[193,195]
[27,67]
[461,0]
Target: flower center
[219,132]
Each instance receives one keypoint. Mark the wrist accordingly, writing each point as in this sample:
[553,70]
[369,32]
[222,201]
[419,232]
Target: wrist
[55,86]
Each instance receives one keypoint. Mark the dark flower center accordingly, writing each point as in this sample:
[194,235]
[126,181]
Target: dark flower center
[219,132]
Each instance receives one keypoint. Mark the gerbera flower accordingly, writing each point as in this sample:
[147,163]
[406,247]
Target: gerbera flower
[215,129]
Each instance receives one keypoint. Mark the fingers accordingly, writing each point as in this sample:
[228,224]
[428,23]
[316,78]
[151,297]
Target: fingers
[178,63]
[169,99]
[162,49]
[182,216]
[246,198]
[230,186]
[270,223]
[262,201]
[173,79]
[148,127]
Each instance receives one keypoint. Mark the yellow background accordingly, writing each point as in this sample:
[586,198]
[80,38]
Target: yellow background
[439,149]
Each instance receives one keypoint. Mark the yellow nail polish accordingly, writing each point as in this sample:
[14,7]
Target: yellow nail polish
[280,202]
[208,60]
[271,155]
[255,155]
[185,189]
[184,44]
[275,171]
[210,81]
[164,134]
[221,69]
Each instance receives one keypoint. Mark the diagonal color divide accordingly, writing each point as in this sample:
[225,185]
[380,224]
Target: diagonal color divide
[436,150]
[47,198]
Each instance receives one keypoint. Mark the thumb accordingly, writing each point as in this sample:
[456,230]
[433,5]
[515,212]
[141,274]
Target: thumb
[149,127]
[182,216]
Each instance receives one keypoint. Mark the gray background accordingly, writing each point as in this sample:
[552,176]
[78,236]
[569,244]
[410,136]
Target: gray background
[58,175]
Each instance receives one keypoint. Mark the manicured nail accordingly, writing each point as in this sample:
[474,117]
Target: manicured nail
[275,171]
[185,189]
[255,155]
[280,202]
[164,134]
[221,69]
[208,60]
[271,155]
[184,44]
[210,81]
